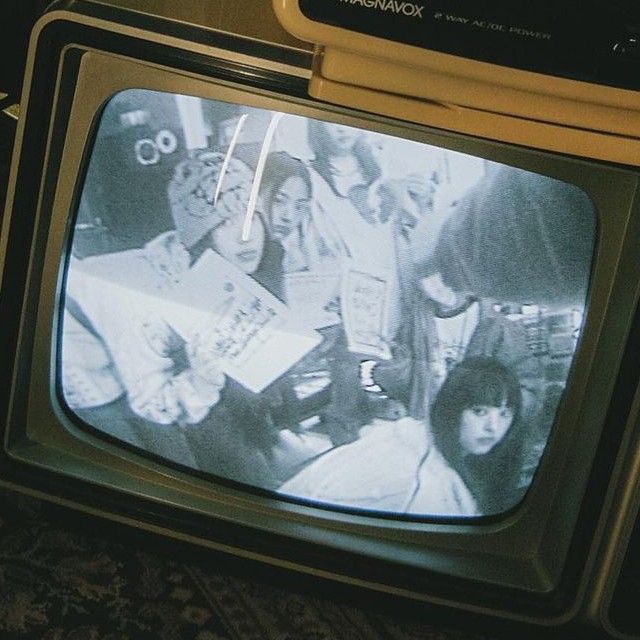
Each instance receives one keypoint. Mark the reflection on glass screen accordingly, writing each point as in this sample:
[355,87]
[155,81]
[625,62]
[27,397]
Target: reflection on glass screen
[337,315]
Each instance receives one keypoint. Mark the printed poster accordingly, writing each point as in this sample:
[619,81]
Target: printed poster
[365,310]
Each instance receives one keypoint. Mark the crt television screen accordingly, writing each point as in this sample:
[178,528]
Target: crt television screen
[342,317]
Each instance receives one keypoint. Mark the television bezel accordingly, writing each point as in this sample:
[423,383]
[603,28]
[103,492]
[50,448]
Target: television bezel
[601,397]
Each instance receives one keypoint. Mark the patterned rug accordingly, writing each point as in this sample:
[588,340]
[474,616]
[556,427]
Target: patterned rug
[63,583]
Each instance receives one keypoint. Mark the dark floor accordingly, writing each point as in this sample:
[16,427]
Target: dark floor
[64,581]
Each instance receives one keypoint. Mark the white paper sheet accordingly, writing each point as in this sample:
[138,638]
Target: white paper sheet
[314,297]
[252,334]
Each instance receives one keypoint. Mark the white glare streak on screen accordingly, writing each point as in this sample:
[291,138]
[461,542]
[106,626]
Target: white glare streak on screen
[394,336]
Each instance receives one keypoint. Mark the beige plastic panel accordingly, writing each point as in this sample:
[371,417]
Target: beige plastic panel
[469,96]
[230,16]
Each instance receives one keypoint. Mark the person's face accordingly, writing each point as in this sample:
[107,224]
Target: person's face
[482,427]
[289,206]
[342,138]
[227,240]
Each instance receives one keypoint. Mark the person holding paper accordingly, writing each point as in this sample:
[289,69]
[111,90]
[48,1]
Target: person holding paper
[121,298]
[235,284]
[383,225]
[383,367]
[344,173]
[251,435]
[239,432]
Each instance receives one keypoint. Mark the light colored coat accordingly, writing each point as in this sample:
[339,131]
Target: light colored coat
[391,468]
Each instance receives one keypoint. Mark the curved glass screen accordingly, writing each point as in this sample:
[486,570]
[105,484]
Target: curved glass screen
[339,316]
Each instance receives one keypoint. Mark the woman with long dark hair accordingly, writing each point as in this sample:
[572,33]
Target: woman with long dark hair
[466,464]
[368,214]
[286,193]
[343,169]
[476,427]
[251,437]
[285,190]
[241,432]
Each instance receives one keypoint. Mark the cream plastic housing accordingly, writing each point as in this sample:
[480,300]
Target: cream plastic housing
[468,96]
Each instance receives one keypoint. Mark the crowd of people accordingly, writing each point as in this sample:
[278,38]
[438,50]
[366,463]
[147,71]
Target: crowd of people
[423,387]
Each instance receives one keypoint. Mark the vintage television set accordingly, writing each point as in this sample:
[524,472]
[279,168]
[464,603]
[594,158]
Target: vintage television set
[359,302]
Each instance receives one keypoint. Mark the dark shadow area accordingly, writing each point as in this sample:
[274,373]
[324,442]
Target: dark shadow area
[65,576]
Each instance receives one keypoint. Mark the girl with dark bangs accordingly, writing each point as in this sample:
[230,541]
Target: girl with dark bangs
[476,426]
[287,192]
[465,464]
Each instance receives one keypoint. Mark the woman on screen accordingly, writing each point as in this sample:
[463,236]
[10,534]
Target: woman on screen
[237,436]
[287,193]
[395,380]
[342,170]
[121,299]
[518,240]
[464,464]
[475,427]
[253,437]
[342,156]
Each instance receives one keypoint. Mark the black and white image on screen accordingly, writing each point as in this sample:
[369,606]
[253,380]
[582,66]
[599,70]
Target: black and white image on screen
[343,317]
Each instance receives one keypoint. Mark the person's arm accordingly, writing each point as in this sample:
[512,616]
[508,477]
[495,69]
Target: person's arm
[143,349]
